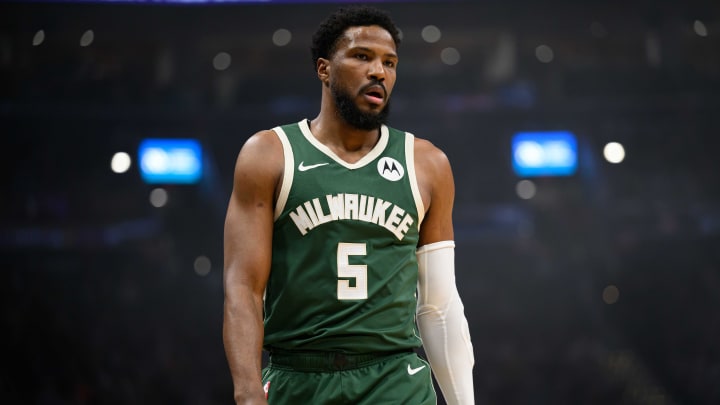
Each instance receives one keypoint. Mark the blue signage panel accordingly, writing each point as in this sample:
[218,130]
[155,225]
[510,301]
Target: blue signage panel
[552,153]
[170,161]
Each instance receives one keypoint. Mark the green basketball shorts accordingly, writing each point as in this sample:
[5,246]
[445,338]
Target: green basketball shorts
[333,378]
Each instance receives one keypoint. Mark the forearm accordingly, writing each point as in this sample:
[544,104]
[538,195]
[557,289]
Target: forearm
[242,337]
[442,323]
[447,345]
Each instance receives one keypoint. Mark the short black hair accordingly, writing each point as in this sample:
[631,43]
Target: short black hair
[326,37]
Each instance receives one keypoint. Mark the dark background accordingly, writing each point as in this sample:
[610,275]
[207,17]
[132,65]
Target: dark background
[601,289]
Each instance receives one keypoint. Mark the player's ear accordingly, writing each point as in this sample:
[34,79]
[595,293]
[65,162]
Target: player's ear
[323,70]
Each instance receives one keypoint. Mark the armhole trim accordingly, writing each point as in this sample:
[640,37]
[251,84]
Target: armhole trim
[410,161]
[288,172]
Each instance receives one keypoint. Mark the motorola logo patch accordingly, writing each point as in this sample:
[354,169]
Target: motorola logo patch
[390,169]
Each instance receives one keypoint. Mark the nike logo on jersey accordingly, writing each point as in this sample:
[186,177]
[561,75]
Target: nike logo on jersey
[304,168]
[413,371]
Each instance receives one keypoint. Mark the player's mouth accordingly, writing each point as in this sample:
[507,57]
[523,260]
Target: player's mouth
[375,94]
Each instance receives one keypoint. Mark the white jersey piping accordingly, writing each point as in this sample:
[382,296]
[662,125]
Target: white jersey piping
[410,162]
[288,172]
[374,153]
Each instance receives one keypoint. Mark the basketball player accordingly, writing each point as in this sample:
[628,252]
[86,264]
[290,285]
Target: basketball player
[338,237]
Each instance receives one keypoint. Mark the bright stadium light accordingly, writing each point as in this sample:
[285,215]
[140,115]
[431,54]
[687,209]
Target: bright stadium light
[614,152]
[120,162]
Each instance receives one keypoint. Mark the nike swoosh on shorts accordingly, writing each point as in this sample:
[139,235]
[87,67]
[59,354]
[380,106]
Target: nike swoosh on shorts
[413,371]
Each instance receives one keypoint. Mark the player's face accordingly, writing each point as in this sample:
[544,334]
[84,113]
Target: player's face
[363,74]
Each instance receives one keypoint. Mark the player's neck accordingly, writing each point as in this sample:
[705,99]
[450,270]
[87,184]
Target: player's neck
[342,137]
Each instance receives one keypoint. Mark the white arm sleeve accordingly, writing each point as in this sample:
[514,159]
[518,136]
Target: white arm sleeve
[442,323]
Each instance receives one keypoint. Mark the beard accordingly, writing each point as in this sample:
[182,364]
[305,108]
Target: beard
[350,112]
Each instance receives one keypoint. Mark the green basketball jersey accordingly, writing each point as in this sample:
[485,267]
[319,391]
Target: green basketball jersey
[344,270]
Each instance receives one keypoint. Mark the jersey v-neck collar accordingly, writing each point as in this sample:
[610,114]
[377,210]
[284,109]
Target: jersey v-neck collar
[372,155]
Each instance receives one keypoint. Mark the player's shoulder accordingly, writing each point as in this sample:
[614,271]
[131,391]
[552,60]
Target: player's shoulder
[261,151]
[261,138]
[270,137]
[428,153]
[262,143]
[422,145]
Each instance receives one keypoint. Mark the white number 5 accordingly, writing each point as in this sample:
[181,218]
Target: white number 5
[347,271]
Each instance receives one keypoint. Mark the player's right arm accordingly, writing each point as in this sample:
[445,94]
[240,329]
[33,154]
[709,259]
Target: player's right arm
[248,247]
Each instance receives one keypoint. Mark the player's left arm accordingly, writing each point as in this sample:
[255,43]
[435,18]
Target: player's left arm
[440,312]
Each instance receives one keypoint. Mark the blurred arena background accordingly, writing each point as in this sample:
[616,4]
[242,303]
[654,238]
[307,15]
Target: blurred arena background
[600,286]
